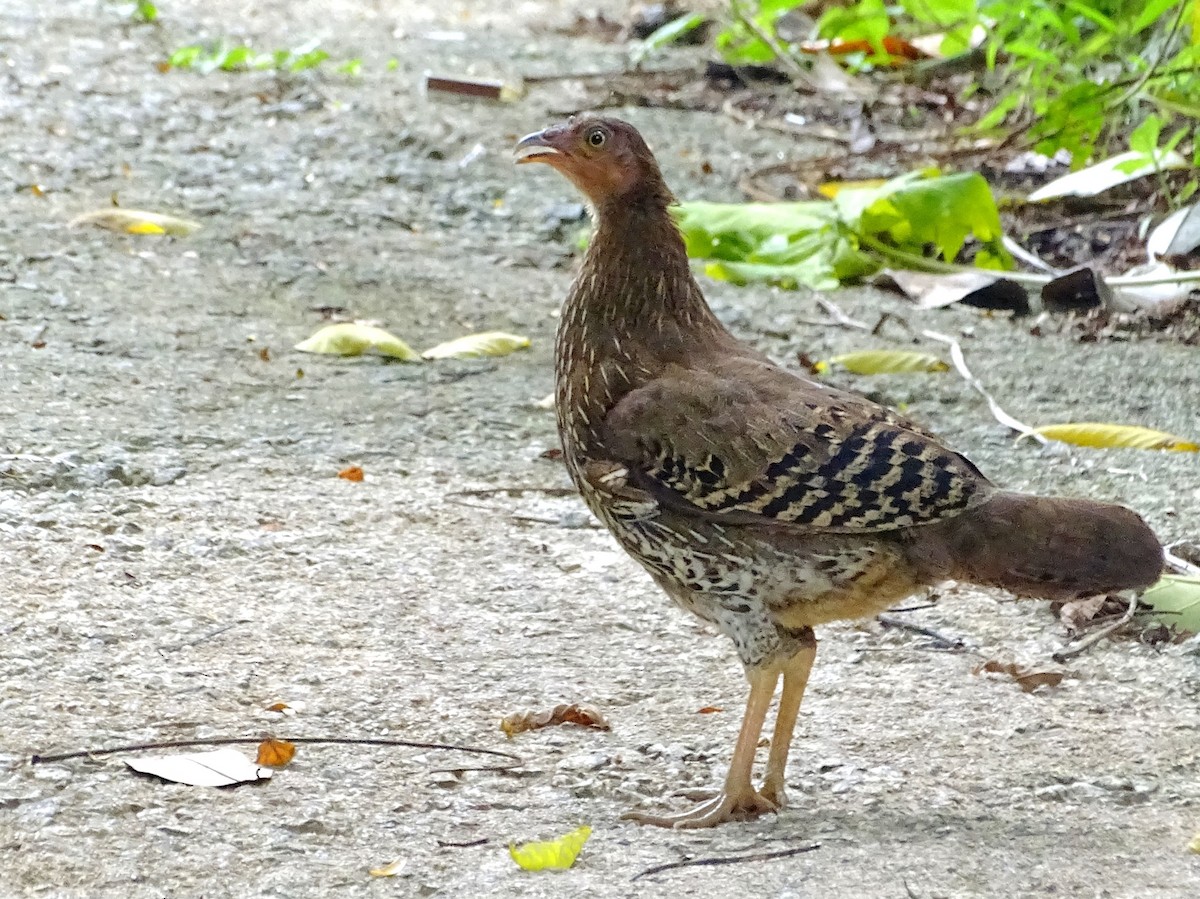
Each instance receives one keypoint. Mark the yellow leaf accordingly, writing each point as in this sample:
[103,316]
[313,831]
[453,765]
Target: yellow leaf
[1194,845]
[390,870]
[884,362]
[137,221]
[1107,436]
[476,346]
[353,339]
[145,228]
[831,189]
[557,854]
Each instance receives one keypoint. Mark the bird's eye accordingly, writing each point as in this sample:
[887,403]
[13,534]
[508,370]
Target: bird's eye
[596,138]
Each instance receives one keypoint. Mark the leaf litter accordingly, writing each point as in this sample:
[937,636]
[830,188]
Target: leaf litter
[574,713]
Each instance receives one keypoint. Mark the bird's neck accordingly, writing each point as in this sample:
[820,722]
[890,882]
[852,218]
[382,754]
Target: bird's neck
[635,278]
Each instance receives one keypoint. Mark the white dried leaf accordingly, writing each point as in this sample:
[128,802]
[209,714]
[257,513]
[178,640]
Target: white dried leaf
[218,768]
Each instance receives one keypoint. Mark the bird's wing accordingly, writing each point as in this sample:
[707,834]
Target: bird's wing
[754,444]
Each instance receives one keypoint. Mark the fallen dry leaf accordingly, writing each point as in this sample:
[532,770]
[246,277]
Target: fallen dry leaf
[352,473]
[709,709]
[1102,435]
[1076,614]
[354,339]
[884,362]
[136,221]
[390,870]
[1028,679]
[276,753]
[224,767]
[477,346]
[583,715]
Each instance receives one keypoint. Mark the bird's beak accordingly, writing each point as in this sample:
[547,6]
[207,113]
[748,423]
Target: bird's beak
[537,147]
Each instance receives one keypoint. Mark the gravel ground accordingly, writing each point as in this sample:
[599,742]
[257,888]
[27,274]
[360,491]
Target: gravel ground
[180,553]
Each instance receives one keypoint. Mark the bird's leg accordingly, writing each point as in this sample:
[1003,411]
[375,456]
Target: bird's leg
[795,679]
[738,800]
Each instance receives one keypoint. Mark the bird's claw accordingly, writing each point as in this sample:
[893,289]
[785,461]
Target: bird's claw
[723,807]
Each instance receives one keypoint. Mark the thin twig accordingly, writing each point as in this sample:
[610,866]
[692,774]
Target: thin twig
[207,635]
[1179,564]
[515,761]
[841,317]
[1070,652]
[954,644]
[726,860]
[450,844]
[516,489]
[632,72]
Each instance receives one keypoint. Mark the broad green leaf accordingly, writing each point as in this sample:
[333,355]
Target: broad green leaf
[1109,436]
[557,854]
[942,211]
[353,339]
[787,244]
[885,362]
[137,221]
[1177,598]
[475,346]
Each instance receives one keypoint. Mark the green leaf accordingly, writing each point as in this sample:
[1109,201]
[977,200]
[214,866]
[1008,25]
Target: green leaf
[867,20]
[185,57]
[942,212]
[1177,600]
[668,34]
[557,854]
[786,244]
[1144,138]
[308,60]
[1151,13]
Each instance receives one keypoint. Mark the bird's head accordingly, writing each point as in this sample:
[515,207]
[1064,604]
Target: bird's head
[605,158]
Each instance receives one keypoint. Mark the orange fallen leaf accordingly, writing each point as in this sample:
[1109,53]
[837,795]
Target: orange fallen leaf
[264,354]
[278,707]
[275,753]
[353,473]
[896,47]
[583,715]
[1028,679]
[709,709]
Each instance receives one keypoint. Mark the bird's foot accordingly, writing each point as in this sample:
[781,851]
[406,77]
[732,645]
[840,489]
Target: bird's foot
[774,791]
[722,808]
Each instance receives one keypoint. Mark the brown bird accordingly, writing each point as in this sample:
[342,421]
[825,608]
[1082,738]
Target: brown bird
[762,501]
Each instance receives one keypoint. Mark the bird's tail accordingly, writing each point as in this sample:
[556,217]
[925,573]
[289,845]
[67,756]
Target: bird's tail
[1043,547]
